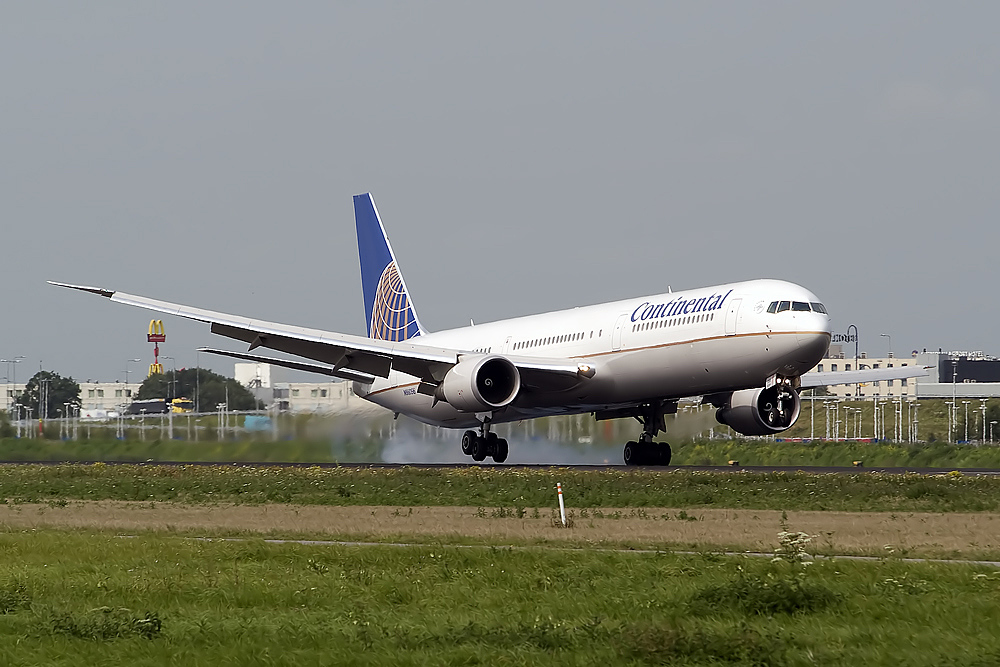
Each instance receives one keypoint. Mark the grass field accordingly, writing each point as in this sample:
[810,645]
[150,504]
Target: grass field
[93,598]
[154,565]
[493,487]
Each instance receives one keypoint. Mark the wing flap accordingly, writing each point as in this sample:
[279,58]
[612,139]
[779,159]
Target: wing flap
[344,374]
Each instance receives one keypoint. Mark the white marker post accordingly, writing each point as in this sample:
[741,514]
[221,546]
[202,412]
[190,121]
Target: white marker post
[562,507]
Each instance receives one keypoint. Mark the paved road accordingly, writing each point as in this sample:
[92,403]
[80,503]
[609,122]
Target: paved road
[818,470]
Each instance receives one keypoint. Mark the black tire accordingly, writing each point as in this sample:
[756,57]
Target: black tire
[500,455]
[491,444]
[467,439]
[631,453]
[665,454]
[479,449]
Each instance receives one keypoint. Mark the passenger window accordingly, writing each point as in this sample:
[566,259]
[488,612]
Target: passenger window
[773,308]
[800,307]
[784,305]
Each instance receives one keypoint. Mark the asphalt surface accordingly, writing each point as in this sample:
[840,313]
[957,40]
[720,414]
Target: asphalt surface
[817,470]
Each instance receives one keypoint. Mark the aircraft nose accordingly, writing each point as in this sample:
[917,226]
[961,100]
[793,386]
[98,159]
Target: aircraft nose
[813,344]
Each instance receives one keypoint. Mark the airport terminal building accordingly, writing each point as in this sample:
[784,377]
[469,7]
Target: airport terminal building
[950,374]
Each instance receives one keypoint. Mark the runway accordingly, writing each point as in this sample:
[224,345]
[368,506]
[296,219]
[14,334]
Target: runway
[760,470]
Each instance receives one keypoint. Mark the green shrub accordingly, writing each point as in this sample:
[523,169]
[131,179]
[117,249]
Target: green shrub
[105,623]
[13,597]
[764,596]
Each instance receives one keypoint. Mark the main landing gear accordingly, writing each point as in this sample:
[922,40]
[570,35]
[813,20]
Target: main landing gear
[483,444]
[645,452]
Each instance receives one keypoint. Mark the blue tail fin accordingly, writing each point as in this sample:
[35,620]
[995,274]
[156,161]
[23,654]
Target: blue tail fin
[388,306]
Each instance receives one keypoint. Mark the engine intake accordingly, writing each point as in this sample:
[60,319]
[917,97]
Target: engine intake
[481,384]
[761,411]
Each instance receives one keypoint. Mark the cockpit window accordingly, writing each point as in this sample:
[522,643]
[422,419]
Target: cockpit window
[796,307]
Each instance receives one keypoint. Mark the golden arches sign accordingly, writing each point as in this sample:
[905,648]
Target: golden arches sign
[156,334]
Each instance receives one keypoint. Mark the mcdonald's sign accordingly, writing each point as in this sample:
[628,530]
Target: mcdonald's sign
[156,334]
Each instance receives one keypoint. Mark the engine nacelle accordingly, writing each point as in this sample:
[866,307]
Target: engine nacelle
[761,411]
[481,384]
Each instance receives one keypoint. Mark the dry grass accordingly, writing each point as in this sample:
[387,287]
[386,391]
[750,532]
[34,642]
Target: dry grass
[834,532]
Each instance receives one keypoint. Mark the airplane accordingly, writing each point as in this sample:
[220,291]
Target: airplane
[745,348]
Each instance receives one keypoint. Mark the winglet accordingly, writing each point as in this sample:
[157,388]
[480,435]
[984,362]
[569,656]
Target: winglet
[388,308]
[100,291]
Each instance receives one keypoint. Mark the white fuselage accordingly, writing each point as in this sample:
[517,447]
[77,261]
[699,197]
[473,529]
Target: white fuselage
[667,346]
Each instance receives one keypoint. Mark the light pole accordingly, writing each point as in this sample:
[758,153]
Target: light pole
[982,408]
[954,382]
[173,376]
[966,404]
[197,383]
[890,343]
[43,399]
[127,369]
[950,405]
[857,385]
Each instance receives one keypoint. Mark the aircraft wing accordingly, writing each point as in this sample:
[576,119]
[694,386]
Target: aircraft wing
[350,357]
[830,378]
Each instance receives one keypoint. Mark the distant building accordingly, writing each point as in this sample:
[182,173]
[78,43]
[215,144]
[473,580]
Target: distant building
[11,391]
[958,374]
[107,395]
[269,384]
[93,395]
[837,361]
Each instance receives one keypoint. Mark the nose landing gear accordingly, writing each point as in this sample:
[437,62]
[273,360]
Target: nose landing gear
[483,444]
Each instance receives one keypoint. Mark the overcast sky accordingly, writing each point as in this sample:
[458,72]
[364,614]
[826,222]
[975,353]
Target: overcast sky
[524,157]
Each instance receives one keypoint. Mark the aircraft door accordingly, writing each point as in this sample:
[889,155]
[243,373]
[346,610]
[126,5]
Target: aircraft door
[732,316]
[506,345]
[616,335]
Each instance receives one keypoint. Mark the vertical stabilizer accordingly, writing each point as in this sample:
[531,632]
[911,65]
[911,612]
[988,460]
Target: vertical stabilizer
[388,307]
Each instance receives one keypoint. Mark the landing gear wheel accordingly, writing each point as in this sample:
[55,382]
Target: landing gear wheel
[468,438]
[632,457]
[491,444]
[500,454]
[664,454]
[479,449]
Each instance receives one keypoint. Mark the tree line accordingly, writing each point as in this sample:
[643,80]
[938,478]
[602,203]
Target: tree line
[208,388]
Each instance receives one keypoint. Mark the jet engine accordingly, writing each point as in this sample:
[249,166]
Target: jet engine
[481,384]
[761,411]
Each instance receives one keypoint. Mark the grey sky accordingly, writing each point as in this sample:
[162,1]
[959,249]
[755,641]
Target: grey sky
[524,157]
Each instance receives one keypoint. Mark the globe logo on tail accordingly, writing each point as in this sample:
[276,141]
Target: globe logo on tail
[392,316]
